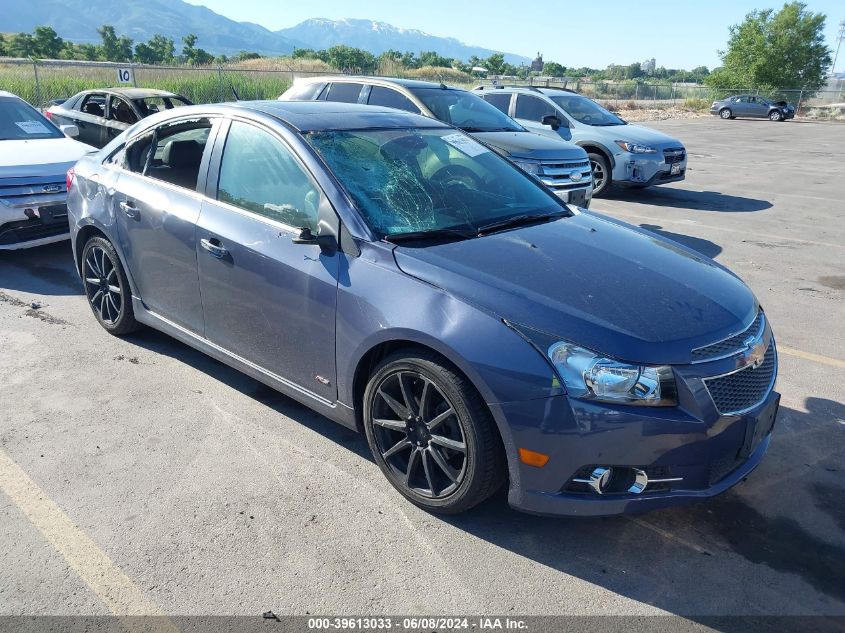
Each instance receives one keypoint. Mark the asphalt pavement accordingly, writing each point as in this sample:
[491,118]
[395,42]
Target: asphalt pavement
[140,476]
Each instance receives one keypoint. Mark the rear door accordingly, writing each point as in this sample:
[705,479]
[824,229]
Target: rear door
[390,98]
[157,204]
[267,300]
[119,116]
[90,117]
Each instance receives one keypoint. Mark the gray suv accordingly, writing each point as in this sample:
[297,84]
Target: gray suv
[621,153]
[561,166]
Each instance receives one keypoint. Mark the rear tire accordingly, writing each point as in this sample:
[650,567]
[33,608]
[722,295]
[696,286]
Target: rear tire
[431,433]
[600,167]
[726,113]
[107,288]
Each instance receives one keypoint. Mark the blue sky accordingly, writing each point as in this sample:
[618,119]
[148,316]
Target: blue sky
[595,33]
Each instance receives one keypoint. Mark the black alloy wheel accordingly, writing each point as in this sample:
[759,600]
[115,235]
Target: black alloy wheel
[106,287]
[431,434]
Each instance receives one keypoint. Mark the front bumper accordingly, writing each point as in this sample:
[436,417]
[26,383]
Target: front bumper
[645,170]
[702,451]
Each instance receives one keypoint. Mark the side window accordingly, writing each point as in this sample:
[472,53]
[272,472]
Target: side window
[390,98]
[135,154]
[259,173]
[121,111]
[532,108]
[501,100]
[177,152]
[94,103]
[344,92]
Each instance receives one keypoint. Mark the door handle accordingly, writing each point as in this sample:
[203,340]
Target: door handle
[214,247]
[130,210]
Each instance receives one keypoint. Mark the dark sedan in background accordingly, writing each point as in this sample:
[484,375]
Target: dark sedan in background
[752,106]
[102,115]
[474,334]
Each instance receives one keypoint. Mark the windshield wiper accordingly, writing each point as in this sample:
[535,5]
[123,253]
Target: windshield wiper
[519,220]
[432,234]
[489,129]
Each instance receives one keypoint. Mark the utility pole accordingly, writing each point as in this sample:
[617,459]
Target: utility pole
[840,38]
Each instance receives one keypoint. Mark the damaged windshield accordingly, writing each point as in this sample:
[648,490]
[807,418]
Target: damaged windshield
[430,181]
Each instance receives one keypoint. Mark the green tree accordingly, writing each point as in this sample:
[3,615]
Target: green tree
[783,49]
[495,64]
[553,69]
[114,48]
[348,58]
[47,42]
[431,58]
[22,45]
[158,50]
[193,55]
[3,51]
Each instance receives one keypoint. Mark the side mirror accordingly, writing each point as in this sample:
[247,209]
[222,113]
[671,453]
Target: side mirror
[71,131]
[305,236]
[552,121]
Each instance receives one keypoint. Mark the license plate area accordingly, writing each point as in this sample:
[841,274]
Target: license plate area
[759,428]
[578,197]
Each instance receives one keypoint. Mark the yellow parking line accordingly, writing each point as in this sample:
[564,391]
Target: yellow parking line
[818,358]
[92,565]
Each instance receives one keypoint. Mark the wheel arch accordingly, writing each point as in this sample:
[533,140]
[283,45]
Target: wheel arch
[598,148]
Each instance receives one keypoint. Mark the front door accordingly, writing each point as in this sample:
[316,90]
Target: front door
[90,118]
[267,300]
[156,204]
[530,110]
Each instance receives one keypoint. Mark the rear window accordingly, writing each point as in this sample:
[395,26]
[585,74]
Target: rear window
[305,91]
[19,122]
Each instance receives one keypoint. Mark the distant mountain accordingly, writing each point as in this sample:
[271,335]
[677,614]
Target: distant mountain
[78,20]
[378,37]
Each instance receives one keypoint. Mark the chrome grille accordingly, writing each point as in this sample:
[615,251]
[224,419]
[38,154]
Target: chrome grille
[731,345]
[745,388]
[556,174]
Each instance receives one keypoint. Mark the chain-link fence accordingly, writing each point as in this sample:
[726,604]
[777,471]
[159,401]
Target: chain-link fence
[820,104]
[40,81]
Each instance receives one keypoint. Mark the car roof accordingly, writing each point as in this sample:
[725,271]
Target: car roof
[405,83]
[135,93]
[304,116]
[4,93]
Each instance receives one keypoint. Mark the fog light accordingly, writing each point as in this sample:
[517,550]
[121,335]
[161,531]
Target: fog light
[620,479]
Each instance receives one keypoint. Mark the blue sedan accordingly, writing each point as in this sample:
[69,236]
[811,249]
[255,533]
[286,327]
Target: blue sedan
[477,333]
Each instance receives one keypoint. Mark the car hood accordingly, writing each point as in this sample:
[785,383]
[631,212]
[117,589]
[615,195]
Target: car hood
[529,145]
[40,157]
[595,281]
[639,134]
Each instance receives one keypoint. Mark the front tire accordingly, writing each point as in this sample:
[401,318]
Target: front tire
[107,287]
[726,113]
[600,168]
[775,115]
[431,433]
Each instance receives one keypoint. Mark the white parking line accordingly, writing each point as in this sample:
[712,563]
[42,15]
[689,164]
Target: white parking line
[93,566]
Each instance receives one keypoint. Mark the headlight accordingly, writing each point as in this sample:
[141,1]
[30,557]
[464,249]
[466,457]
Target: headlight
[636,148]
[533,168]
[588,375]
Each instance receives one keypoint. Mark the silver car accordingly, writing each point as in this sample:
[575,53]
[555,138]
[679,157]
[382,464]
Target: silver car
[629,155]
